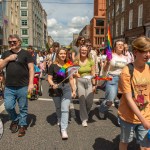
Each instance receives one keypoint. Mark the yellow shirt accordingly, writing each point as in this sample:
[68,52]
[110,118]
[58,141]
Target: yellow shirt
[141,86]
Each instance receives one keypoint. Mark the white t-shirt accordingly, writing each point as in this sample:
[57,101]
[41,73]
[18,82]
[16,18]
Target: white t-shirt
[129,57]
[117,63]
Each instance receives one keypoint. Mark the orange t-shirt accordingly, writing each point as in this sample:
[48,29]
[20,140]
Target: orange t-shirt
[141,85]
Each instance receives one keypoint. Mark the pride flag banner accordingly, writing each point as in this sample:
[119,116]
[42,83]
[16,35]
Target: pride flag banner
[62,71]
[109,45]
[70,71]
[105,78]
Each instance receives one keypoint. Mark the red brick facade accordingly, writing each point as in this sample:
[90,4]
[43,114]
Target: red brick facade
[97,24]
[134,23]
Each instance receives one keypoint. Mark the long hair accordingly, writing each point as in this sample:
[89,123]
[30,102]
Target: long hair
[57,57]
[79,38]
[77,59]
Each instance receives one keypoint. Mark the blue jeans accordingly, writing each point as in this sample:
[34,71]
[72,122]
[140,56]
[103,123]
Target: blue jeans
[62,106]
[110,94]
[19,94]
[128,130]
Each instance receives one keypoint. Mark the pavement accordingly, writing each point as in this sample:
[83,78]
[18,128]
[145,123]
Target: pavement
[43,133]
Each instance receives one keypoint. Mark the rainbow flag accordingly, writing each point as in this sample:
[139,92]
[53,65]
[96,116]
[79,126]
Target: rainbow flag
[109,45]
[62,71]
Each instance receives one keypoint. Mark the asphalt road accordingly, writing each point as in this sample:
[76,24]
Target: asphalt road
[44,134]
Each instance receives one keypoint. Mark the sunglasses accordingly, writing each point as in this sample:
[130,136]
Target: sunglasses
[88,45]
[14,42]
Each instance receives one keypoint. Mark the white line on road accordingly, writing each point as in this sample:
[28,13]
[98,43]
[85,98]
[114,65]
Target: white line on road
[2,107]
[49,99]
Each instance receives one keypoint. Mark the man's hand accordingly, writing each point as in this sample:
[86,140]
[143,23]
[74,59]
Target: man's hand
[30,88]
[12,57]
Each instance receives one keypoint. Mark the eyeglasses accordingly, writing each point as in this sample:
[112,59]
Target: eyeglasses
[88,45]
[14,42]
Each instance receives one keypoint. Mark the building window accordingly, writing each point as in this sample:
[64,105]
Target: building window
[117,9]
[109,16]
[117,28]
[140,15]
[130,19]
[109,3]
[23,3]
[99,31]
[102,31]
[24,22]
[23,13]
[112,13]
[123,5]
[131,1]
[122,26]
[24,31]
[99,22]
[25,41]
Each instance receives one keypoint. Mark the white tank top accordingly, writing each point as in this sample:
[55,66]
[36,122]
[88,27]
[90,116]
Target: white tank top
[117,63]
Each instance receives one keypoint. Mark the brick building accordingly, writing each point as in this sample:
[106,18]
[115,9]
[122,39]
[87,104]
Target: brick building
[97,23]
[128,18]
[85,32]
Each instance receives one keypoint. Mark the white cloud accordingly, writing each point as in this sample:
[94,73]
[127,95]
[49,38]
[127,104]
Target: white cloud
[51,22]
[78,20]
[64,20]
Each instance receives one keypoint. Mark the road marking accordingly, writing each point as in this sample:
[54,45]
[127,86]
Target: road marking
[49,99]
[2,108]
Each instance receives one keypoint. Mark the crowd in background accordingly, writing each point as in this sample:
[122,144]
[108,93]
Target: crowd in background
[82,84]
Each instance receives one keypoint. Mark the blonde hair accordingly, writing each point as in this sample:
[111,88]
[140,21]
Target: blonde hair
[141,43]
[77,59]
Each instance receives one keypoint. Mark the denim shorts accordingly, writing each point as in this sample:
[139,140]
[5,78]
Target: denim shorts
[129,130]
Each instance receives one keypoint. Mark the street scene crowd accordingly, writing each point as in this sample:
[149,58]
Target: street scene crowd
[128,87]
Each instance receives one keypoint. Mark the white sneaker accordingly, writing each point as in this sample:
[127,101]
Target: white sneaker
[84,123]
[64,135]
[58,122]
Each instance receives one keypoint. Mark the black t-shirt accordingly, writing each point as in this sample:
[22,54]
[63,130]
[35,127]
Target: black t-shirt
[17,72]
[53,69]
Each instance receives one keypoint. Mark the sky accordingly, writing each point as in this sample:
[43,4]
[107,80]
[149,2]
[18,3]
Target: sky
[65,19]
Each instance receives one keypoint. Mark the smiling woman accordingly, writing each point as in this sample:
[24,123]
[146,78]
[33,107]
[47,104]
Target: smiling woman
[63,91]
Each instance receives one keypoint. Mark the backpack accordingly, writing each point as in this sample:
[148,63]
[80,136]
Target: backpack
[131,70]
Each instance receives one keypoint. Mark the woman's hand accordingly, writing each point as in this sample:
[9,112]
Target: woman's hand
[76,75]
[55,86]
[73,94]
[94,88]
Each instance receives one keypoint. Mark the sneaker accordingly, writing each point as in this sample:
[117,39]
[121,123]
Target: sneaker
[14,126]
[64,135]
[58,122]
[21,131]
[84,123]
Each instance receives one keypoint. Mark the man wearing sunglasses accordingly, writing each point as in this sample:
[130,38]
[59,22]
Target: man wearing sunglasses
[19,81]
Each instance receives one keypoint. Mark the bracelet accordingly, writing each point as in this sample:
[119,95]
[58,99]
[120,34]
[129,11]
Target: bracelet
[94,84]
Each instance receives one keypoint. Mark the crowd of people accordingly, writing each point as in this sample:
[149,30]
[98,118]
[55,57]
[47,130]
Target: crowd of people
[129,87]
